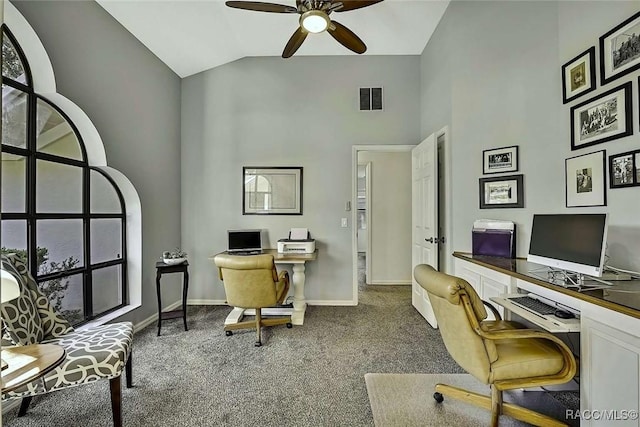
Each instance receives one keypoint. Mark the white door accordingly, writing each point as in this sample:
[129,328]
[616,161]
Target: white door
[424,188]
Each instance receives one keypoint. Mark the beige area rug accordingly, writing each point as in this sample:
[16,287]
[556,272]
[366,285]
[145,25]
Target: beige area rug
[399,400]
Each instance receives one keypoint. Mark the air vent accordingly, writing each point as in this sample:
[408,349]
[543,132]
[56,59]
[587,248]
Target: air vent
[370,99]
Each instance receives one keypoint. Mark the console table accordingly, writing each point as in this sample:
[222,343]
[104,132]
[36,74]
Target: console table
[297,261]
[162,268]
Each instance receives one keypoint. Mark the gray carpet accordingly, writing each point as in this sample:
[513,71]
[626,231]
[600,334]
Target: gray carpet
[407,400]
[311,375]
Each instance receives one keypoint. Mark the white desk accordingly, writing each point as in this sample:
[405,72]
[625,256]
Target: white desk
[297,261]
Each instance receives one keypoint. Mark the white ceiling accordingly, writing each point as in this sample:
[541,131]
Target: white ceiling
[192,36]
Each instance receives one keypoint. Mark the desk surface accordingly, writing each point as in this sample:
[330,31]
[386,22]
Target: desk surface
[29,362]
[623,296]
[290,257]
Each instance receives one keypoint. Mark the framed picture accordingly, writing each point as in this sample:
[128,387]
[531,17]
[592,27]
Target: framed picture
[620,50]
[498,160]
[271,190]
[624,169]
[579,75]
[585,181]
[502,192]
[603,118]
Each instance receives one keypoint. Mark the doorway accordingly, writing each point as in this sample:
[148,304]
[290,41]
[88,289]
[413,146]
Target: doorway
[380,206]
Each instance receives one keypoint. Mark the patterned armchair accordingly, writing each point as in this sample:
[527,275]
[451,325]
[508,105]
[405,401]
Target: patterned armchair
[92,354]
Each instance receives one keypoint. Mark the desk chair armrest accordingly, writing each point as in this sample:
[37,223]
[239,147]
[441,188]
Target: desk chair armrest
[284,275]
[494,310]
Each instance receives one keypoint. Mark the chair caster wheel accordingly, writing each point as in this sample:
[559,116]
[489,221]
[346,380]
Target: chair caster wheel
[258,344]
[289,325]
[228,333]
[438,397]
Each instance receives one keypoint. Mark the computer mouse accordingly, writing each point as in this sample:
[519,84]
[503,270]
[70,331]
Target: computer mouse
[564,314]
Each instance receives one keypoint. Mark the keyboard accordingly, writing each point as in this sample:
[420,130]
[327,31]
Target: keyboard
[534,305]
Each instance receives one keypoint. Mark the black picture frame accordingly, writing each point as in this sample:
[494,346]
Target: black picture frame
[271,190]
[579,75]
[624,169]
[501,192]
[585,180]
[593,121]
[500,160]
[615,60]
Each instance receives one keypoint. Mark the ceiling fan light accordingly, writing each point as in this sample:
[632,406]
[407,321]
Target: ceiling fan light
[314,21]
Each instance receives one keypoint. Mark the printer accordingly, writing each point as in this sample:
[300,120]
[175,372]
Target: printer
[298,242]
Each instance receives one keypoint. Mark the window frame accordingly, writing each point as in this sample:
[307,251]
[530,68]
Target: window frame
[30,214]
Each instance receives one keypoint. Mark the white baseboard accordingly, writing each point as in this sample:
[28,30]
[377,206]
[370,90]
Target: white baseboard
[206,302]
[154,318]
[332,302]
[389,282]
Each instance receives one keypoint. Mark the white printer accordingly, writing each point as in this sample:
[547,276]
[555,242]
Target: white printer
[298,242]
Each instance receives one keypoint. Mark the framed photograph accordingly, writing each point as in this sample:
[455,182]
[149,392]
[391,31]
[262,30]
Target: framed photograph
[502,192]
[620,50]
[584,180]
[603,118]
[271,190]
[624,169]
[579,75]
[498,160]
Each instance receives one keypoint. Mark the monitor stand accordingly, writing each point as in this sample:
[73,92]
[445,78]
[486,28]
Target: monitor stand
[570,279]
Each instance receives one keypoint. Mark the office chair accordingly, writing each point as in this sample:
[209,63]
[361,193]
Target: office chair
[500,353]
[253,282]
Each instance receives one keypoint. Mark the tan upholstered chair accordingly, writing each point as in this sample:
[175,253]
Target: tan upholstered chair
[500,353]
[253,282]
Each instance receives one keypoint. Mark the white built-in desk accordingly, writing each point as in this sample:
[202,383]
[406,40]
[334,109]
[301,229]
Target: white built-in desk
[299,306]
[609,332]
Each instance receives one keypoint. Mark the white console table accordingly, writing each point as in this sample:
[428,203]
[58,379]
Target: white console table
[609,331]
[297,261]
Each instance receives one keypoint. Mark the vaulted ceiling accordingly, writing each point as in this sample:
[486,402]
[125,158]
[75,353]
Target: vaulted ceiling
[193,36]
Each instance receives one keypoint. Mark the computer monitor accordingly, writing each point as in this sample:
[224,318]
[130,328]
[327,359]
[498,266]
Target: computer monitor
[573,242]
[244,240]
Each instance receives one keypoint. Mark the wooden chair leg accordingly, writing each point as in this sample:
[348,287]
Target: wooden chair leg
[496,406]
[116,400]
[24,405]
[129,371]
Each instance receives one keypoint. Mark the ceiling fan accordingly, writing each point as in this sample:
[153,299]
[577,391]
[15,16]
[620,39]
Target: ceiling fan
[314,18]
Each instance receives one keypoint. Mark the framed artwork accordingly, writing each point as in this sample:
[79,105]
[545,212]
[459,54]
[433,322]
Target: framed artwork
[498,160]
[585,180]
[624,169]
[603,118]
[620,50]
[271,190]
[502,192]
[579,75]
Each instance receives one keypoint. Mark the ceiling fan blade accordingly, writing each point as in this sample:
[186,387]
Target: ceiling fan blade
[294,42]
[262,7]
[354,4]
[346,37]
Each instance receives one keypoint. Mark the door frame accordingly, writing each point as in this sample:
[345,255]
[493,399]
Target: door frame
[446,182]
[355,149]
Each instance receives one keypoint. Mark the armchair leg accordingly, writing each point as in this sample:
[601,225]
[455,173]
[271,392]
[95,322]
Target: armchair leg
[129,371]
[116,400]
[24,405]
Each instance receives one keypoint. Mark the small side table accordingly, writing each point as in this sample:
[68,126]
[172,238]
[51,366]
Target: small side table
[162,268]
[28,363]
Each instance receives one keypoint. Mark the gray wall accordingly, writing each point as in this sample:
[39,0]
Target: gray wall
[133,100]
[298,112]
[492,72]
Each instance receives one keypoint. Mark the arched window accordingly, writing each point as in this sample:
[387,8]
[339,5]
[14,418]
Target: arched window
[65,217]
